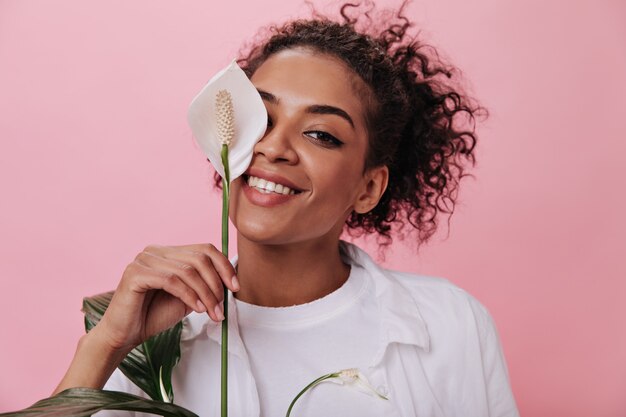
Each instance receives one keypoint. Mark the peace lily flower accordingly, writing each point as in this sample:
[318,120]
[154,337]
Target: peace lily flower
[354,377]
[250,120]
[227,118]
[351,377]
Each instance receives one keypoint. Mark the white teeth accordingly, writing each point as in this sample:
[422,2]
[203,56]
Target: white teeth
[269,186]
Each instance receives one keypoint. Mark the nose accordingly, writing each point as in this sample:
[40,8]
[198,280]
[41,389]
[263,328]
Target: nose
[276,145]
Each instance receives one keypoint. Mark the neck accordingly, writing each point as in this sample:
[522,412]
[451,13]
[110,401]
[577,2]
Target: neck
[291,274]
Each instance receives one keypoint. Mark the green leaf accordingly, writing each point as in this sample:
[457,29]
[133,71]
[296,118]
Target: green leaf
[154,358]
[83,402]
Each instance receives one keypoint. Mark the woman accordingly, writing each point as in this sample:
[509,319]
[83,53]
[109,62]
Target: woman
[363,130]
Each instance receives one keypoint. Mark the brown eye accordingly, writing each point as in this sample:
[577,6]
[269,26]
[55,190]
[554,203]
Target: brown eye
[324,137]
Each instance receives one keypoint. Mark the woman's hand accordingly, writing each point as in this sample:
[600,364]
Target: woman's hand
[160,287]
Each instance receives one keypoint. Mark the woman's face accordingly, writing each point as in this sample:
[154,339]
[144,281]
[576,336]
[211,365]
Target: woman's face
[315,143]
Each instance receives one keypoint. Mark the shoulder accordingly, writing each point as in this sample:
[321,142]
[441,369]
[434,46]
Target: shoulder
[462,336]
[436,298]
[420,282]
[435,292]
[441,301]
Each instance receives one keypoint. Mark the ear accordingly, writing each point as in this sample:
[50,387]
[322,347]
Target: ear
[375,184]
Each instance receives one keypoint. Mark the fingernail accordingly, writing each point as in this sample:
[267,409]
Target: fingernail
[219,312]
[235,282]
[201,306]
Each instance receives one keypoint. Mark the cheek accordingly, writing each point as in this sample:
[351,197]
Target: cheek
[338,183]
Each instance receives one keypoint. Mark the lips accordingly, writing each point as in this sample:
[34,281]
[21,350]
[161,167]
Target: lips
[265,186]
[272,177]
[259,195]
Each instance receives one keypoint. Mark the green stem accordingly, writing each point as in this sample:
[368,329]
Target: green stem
[308,387]
[225,200]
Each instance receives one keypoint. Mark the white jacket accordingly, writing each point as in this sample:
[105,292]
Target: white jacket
[440,354]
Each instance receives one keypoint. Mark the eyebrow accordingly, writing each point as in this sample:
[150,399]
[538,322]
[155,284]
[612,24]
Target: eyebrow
[314,109]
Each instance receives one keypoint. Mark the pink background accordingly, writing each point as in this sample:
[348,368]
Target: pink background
[95,148]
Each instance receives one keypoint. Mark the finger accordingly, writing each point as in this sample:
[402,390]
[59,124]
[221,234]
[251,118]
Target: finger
[218,261]
[146,278]
[210,294]
[203,264]
[212,265]
[207,260]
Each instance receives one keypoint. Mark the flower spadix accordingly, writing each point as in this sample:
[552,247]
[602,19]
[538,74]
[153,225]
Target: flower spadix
[228,111]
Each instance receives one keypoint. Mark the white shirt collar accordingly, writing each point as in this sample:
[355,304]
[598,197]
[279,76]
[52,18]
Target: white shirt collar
[401,319]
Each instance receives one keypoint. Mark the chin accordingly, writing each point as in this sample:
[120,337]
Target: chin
[258,232]
[255,227]
[257,235]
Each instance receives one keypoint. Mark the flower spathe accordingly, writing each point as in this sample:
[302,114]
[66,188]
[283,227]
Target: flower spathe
[355,377]
[249,123]
[350,377]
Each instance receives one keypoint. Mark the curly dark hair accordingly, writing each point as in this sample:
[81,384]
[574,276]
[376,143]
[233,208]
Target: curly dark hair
[421,125]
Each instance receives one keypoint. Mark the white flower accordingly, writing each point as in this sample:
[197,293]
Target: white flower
[355,378]
[245,128]
[351,377]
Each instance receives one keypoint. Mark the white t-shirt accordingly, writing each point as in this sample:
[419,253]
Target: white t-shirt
[427,345]
[292,346]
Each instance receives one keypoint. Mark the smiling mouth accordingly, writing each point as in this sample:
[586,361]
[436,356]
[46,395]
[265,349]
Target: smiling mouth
[268,187]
